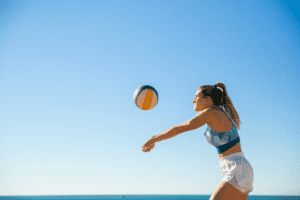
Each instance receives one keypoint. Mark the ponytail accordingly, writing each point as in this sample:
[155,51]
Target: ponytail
[218,94]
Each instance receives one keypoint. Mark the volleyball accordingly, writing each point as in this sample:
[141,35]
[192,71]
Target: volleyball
[145,97]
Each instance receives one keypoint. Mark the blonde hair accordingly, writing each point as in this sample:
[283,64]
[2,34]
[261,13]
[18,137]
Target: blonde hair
[219,96]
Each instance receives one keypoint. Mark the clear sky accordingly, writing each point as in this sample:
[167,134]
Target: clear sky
[68,71]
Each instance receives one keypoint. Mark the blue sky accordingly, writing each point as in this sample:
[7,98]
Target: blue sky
[68,71]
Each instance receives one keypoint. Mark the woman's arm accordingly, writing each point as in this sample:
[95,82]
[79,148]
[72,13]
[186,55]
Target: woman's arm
[171,132]
[199,120]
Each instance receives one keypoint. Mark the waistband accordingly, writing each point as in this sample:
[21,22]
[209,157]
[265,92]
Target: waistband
[227,146]
[238,154]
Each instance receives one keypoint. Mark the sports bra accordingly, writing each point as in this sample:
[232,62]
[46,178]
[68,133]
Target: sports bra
[222,140]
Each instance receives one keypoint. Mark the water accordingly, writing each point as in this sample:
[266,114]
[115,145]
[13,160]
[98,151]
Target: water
[137,197]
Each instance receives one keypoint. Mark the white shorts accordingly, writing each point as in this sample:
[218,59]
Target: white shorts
[237,171]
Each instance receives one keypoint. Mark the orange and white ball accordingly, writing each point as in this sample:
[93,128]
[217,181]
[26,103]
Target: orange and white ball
[145,97]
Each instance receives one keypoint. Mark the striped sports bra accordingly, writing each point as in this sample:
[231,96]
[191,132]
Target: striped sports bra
[222,140]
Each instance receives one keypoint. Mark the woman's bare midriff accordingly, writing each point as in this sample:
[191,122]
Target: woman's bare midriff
[220,122]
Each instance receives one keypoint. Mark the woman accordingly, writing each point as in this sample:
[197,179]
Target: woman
[218,112]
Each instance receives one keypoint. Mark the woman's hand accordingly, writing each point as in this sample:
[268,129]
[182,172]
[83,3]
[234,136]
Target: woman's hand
[148,146]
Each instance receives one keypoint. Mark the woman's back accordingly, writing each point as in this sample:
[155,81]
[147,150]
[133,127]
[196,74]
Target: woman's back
[219,121]
[221,132]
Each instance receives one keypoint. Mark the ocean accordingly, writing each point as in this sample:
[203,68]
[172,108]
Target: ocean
[136,197]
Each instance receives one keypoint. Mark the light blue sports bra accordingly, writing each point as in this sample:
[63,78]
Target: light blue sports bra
[222,140]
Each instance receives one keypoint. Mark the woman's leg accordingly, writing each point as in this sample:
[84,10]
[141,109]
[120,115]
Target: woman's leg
[225,191]
[243,197]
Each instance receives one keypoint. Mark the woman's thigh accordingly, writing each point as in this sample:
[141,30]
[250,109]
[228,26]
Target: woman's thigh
[225,191]
[243,196]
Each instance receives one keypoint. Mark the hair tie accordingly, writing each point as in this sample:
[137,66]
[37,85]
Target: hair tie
[217,87]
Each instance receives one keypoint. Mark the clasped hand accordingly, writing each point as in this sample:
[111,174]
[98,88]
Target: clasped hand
[148,146]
